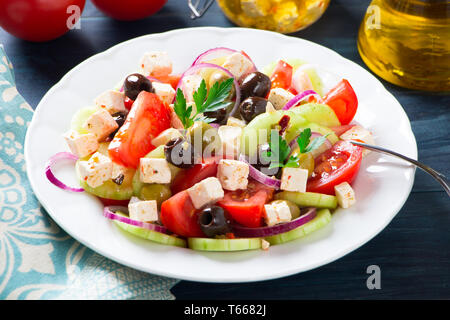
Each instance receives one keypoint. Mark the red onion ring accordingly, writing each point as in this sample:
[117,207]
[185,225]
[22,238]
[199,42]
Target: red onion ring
[198,66]
[52,178]
[245,232]
[108,213]
[259,176]
[300,97]
[148,77]
[204,56]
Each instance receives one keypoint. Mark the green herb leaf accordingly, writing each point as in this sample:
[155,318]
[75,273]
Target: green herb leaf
[279,151]
[292,162]
[303,139]
[181,110]
[316,143]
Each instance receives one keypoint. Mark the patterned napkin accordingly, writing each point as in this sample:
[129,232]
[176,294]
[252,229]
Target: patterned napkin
[38,260]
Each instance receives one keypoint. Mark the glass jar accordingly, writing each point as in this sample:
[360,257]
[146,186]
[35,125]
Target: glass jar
[407,42]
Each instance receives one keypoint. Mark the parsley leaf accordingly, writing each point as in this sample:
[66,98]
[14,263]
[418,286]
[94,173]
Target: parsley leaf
[303,140]
[279,150]
[181,109]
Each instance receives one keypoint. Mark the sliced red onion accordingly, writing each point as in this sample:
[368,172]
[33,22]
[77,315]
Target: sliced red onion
[259,176]
[245,232]
[152,79]
[199,66]
[211,54]
[300,97]
[109,212]
[214,125]
[51,177]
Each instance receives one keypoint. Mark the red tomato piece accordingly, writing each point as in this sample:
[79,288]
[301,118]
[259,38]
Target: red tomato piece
[341,129]
[342,99]
[130,9]
[171,79]
[336,165]
[246,207]
[179,215]
[187,178]
[148,117]
[282,75]
[128,103]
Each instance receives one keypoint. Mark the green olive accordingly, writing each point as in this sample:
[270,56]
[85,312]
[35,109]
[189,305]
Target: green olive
[203,136]
[306,160]
[158,192]
[295,210]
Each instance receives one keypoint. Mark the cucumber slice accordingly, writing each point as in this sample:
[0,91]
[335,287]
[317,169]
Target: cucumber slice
[295,63]
[109,189]
[323,217]
[151,235]
[309,199]
[208,244]
[80,117]
[318,113]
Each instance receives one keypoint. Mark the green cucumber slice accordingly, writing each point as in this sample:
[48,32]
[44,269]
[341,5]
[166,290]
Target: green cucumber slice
[208,244]
[80,117]
[309,199]
[294,62]
[318,113]
[151,235]
[323,218]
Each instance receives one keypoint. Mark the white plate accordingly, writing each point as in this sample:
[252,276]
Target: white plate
[381,187]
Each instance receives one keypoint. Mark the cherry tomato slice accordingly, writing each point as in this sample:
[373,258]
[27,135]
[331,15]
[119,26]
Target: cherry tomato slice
[336,165]
[179,215]
[128,103]
[282,75]
[187,178]
[342,99]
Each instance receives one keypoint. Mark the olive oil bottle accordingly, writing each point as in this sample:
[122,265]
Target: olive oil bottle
[407,42]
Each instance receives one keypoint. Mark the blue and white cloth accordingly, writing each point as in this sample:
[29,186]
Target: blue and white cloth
[38,260]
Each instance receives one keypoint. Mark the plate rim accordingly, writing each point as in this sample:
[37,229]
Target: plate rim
[338,254]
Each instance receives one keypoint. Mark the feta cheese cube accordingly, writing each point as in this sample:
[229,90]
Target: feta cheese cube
[275,213]
[285,15]
[231,140]
[265,244]
[166,136]
[154,170]
[233,174]
[96,170]
[270,107]
[217,76]
[156,63]
[146,211]
[112,100]
[101,124]
[118,173]
[235,122]
[205,192]
[81,145]
[190,84]
[255,8]
[345,195]
[294,179]
[164,91]
[359,133]
[237,64]
[279,97]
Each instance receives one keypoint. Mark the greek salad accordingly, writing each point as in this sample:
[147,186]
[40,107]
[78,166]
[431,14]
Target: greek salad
[222,157]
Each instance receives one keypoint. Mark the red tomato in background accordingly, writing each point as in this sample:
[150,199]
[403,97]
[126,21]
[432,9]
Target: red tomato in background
[148,117]
[246,207]
[282,75]
[129,9]
[187,178]
[179,215]
[39,20]
[342,99]
[336,165]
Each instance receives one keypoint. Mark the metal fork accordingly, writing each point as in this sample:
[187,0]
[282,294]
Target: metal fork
[436,175]
[196,10]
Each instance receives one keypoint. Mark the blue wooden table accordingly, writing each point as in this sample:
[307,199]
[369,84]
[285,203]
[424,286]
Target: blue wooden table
[413,252]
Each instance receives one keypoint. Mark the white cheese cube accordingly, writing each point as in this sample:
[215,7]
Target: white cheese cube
[235,122]
[156,63]
[154,170]
[255,8]
[345,195]
[205,192]
[237,64]
[265,244]
[301,81]
[164,91]
[146,211]
[231,140]
[111,100]
[134,200]
[359,133]
[286,14]
[294,179]
[276,213]
[190,84]
[233,174]
[166,136]
[270,107]
[118,172]
[96,170]
[81,145]
[217,76]
[279,97]
[101,124]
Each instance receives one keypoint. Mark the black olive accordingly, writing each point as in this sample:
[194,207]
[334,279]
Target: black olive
[214,222]
[255,84]
[134,84]
[180,153]
[120,118]
[263,163]
[220,115]
[251,107]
